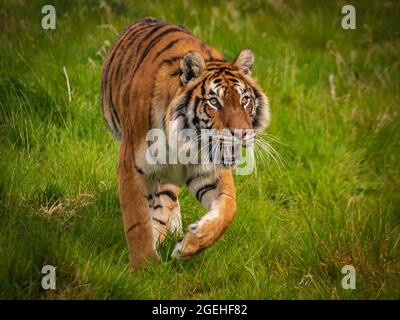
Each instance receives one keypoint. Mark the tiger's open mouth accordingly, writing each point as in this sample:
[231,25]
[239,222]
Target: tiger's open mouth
[226,150]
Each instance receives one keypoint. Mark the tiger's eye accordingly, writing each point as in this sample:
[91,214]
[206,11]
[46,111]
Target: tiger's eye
[245,100]
[214,101]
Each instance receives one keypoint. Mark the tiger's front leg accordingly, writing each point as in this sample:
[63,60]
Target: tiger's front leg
[217,195]
[135,209]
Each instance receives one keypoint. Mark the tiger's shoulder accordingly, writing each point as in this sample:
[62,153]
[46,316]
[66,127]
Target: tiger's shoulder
[143,60]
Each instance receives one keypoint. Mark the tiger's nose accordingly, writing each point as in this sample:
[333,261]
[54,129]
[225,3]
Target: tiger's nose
[238,133]
[244,136]
[235,133]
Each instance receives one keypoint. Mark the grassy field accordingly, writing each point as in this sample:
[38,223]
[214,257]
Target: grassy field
[333,202]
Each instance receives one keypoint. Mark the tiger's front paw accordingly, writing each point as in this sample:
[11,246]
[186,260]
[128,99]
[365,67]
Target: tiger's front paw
[183,252]
[192,244]
[177,252]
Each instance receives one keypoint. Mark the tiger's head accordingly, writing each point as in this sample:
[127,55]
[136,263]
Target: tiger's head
[220,96]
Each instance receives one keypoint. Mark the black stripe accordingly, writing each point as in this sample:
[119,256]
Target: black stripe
[171,60]
[159,221]
[195,117]
[206,124]
[219,85]
[202,191]
[134,32]
[116,127]
[152,44]
[112,108]
[183,115]
[152,31]
[227,73]
[183,105]
[220,69]
[203,88]
[157,206]
[139,28]
[197,85]
[139,170]
[107,78]
[130,40]
[131,139]
[133,226]
[119,43]
[256,120]
[211,144]
[176,73]
[180,110]
[169,46]
[233,79]
[207,111]
[200,175]
[215,75]
[167,193]
[115,114]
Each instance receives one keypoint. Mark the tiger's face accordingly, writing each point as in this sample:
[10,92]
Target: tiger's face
[228,103]
[221,97]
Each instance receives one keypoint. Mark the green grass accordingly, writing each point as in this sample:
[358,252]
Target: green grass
[334,202]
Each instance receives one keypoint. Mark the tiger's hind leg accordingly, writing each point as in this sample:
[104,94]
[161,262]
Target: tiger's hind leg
[164,210]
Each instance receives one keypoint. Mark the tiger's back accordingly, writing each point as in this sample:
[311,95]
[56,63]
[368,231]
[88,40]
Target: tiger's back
[143,66]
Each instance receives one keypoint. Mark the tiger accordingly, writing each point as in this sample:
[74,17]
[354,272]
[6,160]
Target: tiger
[160,75]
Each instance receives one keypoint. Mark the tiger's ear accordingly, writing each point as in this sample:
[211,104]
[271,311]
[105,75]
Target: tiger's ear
[245,61]
[192,65]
